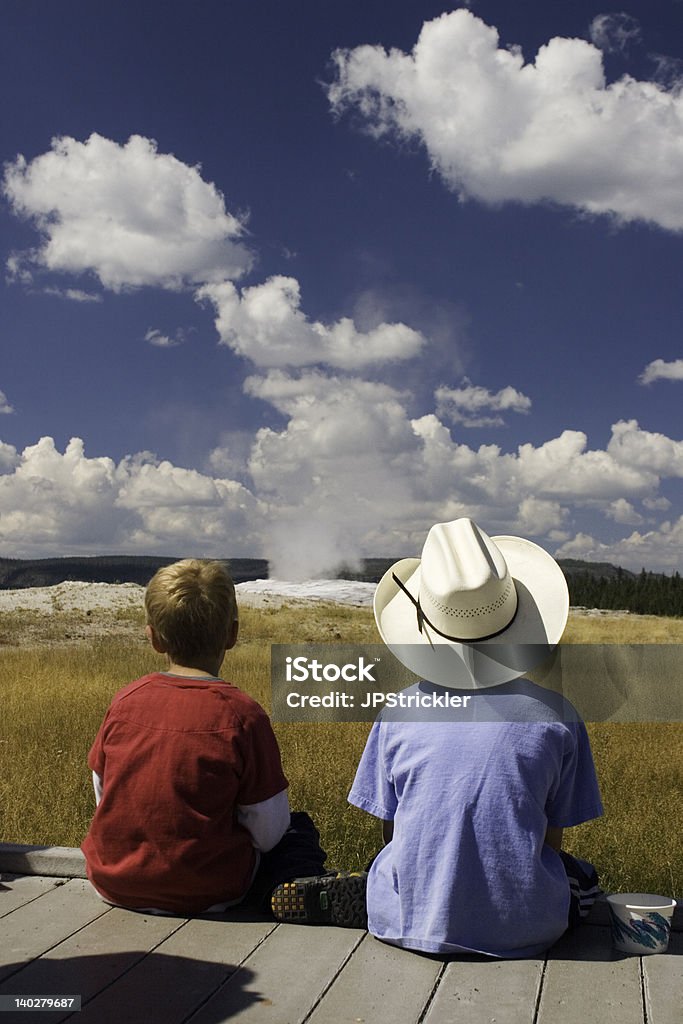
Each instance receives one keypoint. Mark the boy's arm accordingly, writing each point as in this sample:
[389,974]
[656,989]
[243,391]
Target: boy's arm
[387,831]
[266,821]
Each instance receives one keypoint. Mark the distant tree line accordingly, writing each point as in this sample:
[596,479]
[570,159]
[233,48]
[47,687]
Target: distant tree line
[645,593]
[17,573]
[591,584]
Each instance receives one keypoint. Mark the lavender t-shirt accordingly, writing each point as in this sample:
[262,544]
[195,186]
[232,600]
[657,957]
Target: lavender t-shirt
[467,869]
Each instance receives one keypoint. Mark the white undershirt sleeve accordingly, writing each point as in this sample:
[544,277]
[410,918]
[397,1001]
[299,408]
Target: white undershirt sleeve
[97,785]
[267,821]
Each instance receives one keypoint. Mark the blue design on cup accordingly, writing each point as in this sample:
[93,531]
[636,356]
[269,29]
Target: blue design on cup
[652,931]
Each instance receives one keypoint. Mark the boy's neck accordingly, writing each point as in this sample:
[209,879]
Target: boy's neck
[209,667]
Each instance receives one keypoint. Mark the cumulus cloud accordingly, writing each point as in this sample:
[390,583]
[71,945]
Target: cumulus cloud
[266,325]
[660,504]
[660,370]
[657,549]
[498,129]
[622,511]
[348,474]
[538,518]
[468,404]
[68,502]
[5,407]
[352,473]
[126,213]
[614,33]
[562,470]
[630,446]
[8,457]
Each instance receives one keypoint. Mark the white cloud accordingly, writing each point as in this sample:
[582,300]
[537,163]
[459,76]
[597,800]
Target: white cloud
[73,294]
[160,340]
[127,213]
[657,550]
[348,474]
[615,32]
[351,473]
[498,129]
[467,404]
[561,470]
[660,370]
[266,325]
[5,407]
[668,71]
[18,271]
[231,455]
[622,511]
[61,503]
[8,457]
[538,518]
[644,450]
[660,504]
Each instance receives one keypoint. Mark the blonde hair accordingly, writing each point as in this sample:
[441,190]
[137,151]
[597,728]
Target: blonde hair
[191,605]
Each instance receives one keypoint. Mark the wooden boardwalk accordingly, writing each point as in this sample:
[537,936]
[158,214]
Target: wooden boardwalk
[57,937]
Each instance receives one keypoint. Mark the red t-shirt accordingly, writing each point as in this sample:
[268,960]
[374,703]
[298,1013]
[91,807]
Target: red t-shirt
[177,756]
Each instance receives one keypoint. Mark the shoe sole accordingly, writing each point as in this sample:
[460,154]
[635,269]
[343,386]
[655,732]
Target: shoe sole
[336,901]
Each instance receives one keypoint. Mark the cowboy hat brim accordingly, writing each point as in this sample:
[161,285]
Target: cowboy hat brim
[538,624]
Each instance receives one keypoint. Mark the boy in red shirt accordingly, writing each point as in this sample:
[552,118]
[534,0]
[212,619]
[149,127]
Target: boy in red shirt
[192,813]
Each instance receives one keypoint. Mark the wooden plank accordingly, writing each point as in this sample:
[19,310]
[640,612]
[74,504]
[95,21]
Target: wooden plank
[16,891]
[663,983]
[284,978]
[93,958]
[49,861]
[179,974]
[379,982]
[587,980]
[477,991]
[41,924]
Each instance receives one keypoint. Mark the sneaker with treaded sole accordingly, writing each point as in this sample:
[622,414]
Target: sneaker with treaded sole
[323,899]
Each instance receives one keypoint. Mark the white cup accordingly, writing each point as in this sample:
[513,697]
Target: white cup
[640,922]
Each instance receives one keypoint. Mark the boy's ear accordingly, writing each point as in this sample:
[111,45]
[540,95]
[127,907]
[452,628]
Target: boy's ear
[232,635]
[155,640]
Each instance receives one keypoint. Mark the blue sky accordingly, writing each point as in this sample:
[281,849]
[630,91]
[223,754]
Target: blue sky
[298,280]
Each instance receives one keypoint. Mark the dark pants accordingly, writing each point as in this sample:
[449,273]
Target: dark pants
[297,855]
[584,887]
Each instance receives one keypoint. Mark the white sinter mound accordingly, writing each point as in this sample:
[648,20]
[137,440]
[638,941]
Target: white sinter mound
[353,592]
[73,596]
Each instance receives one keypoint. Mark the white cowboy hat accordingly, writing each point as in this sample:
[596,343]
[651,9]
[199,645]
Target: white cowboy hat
[474,610]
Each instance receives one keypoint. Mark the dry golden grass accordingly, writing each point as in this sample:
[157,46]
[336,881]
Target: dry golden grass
[629,629]
[55,692]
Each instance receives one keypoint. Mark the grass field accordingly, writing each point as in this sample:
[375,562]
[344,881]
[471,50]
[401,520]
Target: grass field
[54,694]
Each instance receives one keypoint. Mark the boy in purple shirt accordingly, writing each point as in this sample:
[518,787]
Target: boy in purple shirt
[473,802]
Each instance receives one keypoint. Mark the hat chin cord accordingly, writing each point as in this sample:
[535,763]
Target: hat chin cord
[423,621]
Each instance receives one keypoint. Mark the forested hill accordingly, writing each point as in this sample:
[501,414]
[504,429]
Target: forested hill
[601,585]
[591,584]
[17,573]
